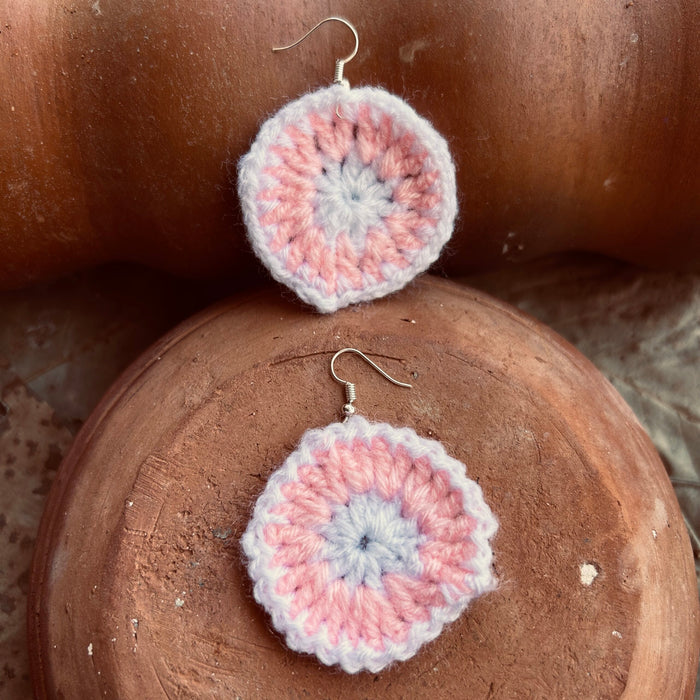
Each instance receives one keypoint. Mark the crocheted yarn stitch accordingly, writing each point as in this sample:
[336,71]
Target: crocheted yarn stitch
[366,542]
[347,194]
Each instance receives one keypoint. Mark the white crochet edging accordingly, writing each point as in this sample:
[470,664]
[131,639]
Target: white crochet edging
[254,177]
[266,575]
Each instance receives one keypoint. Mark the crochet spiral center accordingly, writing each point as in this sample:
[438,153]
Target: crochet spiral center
[368,538]
[351,200]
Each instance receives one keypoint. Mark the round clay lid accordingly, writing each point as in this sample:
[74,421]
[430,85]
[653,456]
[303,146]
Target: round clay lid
[140,587]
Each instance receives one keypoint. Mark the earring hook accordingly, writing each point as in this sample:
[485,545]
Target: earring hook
[350,394]
[339,62]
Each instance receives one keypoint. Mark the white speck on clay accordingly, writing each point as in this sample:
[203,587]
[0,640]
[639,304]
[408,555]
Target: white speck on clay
[96,8]
[134,623]
[89,648]
[654,534]
[617,634]
[179,602]
[505,248]
[114,639]
[589,572]
[634,38]
[609,183]
[129,504]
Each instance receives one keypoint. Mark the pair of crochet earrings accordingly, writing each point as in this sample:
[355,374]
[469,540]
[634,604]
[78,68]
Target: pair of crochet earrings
[369,538]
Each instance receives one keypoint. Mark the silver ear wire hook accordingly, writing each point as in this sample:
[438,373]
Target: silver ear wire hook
[350,395]
[339,62]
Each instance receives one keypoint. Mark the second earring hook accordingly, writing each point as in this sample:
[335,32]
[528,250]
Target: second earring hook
[350,394]
[339,62]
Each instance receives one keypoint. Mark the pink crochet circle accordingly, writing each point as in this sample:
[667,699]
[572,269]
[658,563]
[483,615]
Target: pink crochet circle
[366,542]
[347,195]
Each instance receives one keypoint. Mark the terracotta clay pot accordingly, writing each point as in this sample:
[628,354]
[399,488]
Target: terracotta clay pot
[139,588]
[573,126]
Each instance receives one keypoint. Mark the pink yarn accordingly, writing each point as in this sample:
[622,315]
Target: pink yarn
[366,542]
[347,194]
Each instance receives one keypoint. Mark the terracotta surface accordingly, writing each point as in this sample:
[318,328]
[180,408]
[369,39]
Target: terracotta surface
[641,330]
[61,346]
[573,125]
[139,588]
[32,442]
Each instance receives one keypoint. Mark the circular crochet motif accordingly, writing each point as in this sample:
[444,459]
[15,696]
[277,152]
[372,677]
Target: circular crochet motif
[366,542]
[347,195]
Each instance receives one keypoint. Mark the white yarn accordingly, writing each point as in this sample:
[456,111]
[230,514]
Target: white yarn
[349,197]
[365,539]
[391,541]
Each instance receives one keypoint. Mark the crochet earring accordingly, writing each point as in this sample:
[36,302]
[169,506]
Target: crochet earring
[367,541]
[347,194]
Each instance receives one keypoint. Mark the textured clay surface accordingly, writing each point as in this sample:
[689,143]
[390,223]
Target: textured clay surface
[139,587]
[573,125]
[32,442]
